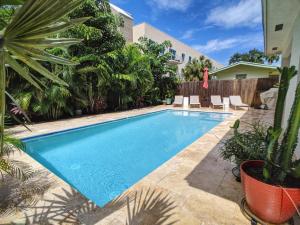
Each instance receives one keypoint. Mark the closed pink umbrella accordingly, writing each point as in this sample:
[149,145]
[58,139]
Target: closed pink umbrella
[205,78]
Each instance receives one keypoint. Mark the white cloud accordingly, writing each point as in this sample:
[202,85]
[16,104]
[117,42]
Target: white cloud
[180,5]
[247,13]
[241,42]
[189,34]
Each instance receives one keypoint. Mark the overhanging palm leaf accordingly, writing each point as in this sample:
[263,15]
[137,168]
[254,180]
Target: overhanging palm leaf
[25,39]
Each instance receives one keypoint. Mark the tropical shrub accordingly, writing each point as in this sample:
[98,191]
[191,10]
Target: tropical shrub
[108,76]
[164,74]
[131,78]
[100,38]
[250,144]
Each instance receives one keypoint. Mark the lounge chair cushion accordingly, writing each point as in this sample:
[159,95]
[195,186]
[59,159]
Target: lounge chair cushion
[216,100]
[194,100]
[178,100]
[237,101]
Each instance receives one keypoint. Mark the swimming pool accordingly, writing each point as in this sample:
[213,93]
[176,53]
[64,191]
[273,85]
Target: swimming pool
[103,160]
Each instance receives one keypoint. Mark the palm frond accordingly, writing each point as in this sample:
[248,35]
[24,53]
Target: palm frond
[14,168]
[23,72]
[50,30]
[11,2]
[23,194]
[26,36]
[152,207]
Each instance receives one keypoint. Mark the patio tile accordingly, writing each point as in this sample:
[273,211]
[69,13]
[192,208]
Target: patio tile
[198,182]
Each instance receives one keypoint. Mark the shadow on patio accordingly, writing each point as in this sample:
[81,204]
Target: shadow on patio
[216,174]
[142,207]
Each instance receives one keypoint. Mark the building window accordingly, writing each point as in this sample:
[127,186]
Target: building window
[190,59]
[241,76]
[183,57]
[173,51]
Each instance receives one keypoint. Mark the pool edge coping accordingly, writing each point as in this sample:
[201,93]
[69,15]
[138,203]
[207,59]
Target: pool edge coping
[112,121]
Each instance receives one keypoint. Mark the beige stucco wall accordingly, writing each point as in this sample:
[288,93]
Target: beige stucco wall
[146,30]
[252,72]
[127,29]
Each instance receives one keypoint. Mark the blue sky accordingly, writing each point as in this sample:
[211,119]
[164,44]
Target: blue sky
[217,28]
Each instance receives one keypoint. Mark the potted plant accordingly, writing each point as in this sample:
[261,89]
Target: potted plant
[272,186]
[169,97]
[247,145]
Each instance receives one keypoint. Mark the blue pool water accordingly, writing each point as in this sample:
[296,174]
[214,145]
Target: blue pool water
[103,160]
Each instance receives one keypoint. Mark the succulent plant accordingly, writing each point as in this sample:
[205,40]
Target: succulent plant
[281,146]
[279,160]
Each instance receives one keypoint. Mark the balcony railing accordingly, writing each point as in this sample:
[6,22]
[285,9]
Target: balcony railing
[176,60]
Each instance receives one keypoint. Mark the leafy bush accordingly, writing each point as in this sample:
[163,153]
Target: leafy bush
[248,145]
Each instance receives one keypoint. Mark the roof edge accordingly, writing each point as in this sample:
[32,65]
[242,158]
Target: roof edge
[121,11]
[245,64]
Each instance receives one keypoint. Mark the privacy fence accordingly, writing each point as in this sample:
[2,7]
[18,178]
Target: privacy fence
[248,89]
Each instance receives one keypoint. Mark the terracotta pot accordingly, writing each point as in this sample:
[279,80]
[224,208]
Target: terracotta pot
[270,203]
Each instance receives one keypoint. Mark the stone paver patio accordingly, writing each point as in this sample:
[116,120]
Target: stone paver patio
[196,186]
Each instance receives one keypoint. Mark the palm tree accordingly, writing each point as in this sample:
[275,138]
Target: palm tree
[237,57]
[194,70]
[272,58]
[24,40]
[253,55]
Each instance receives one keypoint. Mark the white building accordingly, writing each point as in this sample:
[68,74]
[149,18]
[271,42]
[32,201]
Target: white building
[281,20]
[182,53]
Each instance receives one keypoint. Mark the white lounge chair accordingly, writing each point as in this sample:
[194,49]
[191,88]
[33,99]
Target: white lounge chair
[194,101]
[216,101]
[178,100]
[236,101]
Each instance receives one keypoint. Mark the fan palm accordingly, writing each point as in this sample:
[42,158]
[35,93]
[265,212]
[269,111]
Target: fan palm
[25,39]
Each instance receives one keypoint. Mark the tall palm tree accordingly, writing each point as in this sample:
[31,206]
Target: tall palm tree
[24,40]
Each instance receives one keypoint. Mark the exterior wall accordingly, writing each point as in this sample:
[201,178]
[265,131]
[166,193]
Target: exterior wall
[127,29]
[252,72]
[146,30]
[292,58]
